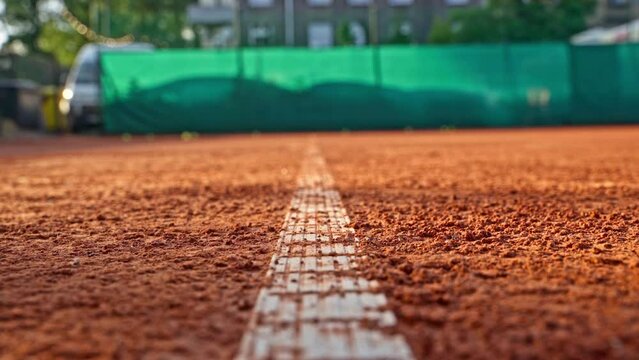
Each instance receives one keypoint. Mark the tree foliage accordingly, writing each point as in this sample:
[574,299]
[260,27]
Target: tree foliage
[24,19]
[400,33]
[40,26]
[514,21]
[59,40]
[344,35]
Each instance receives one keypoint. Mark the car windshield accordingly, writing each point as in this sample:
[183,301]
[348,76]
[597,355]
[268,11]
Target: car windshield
[88,72]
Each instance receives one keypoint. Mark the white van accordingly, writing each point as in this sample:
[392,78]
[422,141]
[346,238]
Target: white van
[81,99]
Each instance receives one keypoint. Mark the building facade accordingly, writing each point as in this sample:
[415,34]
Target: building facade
[615,12]
[325,23]
[320,23]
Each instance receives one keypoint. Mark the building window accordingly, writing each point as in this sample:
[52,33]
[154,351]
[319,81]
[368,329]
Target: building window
[260,35]
[358,32]
[457,2]
[319,2]
[320,35]
[618,3]
[400,2]
[260,3]
[358,2]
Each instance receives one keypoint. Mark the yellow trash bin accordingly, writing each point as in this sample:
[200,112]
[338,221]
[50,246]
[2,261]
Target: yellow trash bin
[51,115]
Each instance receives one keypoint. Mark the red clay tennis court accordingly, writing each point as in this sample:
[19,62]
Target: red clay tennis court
[485,243]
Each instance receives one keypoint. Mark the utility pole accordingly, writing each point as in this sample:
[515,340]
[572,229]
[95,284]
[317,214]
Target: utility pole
[94,15]
[237,24]
[106,22]
[373,30]
[289,22]
[238,39]
[373,22]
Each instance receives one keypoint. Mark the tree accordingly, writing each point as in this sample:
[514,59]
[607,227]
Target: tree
[40,26]
[401,33]
[441,32]
[514,21]
[59,40]
[26,18]
[344,36]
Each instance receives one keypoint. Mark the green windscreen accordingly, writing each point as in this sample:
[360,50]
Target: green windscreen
[391,87]
[605,84]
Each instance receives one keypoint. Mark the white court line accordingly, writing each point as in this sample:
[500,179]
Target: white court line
[315,304]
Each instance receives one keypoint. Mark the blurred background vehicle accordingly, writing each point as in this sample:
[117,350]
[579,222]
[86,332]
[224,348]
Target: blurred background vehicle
[81,101]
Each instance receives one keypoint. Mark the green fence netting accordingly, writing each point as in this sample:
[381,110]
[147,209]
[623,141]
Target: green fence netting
[276,89]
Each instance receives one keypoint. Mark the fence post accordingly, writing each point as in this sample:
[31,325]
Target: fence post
[510,84]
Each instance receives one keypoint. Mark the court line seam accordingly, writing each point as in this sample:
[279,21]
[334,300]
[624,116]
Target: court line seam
[318,306]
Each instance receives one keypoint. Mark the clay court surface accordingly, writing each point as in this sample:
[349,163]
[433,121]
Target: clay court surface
[487,243]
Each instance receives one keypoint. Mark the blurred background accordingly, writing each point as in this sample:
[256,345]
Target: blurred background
[161,66]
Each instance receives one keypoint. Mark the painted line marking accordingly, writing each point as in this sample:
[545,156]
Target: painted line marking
[315,304]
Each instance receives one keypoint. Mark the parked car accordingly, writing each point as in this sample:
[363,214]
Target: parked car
[81,100]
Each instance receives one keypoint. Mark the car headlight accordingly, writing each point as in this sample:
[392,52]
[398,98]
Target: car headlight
[67,94]
[64,106]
